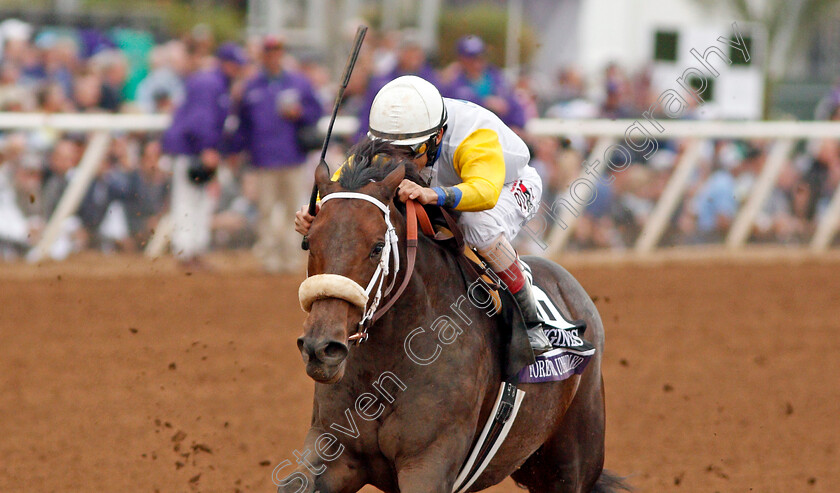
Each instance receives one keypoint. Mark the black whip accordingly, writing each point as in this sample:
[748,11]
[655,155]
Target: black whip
[348,70]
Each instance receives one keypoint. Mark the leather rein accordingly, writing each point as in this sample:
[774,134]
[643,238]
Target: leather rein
[414,213]
[368,298]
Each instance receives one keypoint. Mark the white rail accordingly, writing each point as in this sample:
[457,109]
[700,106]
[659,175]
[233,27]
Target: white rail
[688,128]
[785,133]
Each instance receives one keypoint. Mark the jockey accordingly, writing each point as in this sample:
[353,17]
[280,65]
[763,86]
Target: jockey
[476,165]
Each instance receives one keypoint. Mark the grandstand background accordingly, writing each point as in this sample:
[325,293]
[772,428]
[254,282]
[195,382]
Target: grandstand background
[569,62]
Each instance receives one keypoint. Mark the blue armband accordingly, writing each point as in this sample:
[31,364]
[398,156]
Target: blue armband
[448,197]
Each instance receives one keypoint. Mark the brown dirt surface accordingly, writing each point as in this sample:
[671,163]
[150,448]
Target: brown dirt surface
[126,374]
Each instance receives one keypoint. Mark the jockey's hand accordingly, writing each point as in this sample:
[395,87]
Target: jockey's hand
[410,190]
[303,220]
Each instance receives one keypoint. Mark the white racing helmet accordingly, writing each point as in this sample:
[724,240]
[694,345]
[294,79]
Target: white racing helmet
[407,111]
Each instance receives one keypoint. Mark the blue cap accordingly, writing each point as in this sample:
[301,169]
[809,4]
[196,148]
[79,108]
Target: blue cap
[232,52]
[470,46]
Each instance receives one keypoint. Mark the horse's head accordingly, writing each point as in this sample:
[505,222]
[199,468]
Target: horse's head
[347,244]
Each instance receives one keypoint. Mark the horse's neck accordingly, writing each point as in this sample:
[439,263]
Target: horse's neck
[436,284]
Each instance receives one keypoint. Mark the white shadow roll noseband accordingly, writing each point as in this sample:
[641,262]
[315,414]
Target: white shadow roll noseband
[321,286]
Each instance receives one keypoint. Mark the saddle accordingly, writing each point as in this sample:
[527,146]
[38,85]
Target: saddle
[519,363]
[439,225]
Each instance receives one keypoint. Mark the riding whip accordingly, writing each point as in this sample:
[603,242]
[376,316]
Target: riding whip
[345,79]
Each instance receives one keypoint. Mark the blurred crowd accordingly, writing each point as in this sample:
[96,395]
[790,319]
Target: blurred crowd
[244,116]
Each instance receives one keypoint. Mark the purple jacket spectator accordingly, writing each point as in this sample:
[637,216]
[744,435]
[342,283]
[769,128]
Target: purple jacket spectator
[377,83]
[491,83]
[198,123]
[263,131]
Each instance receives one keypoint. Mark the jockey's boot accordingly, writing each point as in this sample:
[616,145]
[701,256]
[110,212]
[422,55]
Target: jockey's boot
[540,342]
[505,263]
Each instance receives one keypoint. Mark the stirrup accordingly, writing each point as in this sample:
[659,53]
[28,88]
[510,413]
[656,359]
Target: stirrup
[540,343]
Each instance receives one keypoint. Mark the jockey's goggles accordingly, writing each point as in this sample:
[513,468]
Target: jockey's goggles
[416,150]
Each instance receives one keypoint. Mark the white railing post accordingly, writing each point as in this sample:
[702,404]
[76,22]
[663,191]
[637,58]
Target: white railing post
[160,238]
[670,199]
[74,193]
[740,230]
[827,227]
[558,237]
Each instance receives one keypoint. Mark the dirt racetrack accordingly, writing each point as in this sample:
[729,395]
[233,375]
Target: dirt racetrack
[121,374]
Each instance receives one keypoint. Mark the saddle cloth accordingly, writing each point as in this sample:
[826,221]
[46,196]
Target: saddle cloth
[572,352]
[566,336]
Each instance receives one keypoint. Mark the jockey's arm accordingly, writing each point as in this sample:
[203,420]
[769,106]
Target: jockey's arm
[480,163]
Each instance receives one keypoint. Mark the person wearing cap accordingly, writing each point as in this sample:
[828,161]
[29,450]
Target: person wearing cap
[275,105]
[475,164]
[411,60]
[480,82]
[194,140]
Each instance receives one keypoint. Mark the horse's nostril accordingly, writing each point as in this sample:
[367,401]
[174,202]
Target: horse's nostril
[335,350]
[300,343]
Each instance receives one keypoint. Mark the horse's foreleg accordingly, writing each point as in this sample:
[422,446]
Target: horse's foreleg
[334,477]
[428,477]
[321,467]
[433,471]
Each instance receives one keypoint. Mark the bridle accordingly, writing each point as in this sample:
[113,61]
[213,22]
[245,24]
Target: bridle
[321,286]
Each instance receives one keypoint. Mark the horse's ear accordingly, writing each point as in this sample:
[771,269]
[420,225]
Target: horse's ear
[393,180]
[322,177]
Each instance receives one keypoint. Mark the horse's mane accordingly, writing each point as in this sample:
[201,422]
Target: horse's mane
[371,161]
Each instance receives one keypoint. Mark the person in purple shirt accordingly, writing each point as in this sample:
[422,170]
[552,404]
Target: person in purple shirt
[477,81]
[275,105]
[411,60]
[193,140]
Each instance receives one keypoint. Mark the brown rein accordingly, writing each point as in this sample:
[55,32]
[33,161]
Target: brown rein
[411,220]
[415,213]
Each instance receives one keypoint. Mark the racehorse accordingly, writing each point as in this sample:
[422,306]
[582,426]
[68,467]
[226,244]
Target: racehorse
[402,410]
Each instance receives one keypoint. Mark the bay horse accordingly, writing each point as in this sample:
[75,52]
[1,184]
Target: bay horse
[402,410]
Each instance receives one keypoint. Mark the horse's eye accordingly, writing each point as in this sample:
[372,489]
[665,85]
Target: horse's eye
[377,249]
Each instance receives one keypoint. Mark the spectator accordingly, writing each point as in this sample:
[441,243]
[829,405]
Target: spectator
[62,160]
[782,218]
[712,208]
[824,172]
[87,93]
[234,224]
[473,79]
[53,99]
[194,140]
[59,59]
[29,175]
[634,202]
[571,100]
[105,211]
[14,39]
[163,88]
[14,95]
[149,194]
[615,104]
[14,231]
[274,107]
[595,228]
[526,96]
[200,45]
[112,68]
